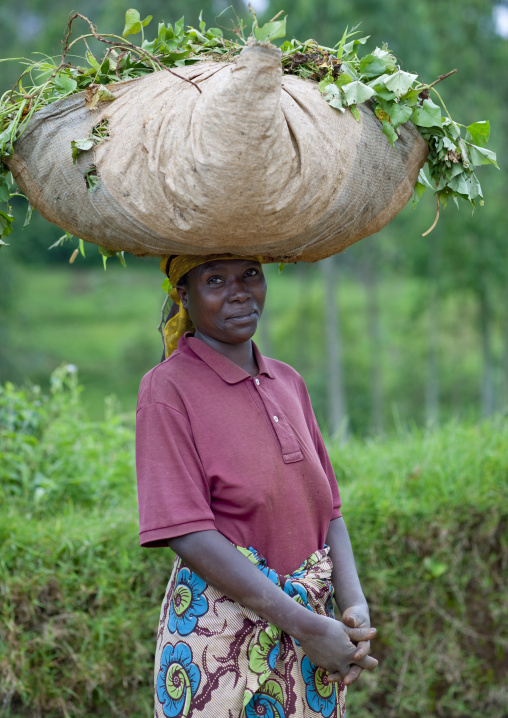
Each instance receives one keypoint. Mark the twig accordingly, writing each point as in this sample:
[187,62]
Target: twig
[439,79]
[276,16]
[122,44]
[442,77]
[435,221]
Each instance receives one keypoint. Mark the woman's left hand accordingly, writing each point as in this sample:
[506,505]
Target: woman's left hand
[355,617]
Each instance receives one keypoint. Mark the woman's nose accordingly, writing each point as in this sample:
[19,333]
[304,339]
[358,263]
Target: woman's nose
[238,292]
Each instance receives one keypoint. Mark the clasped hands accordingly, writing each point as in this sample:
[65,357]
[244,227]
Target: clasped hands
[343,651]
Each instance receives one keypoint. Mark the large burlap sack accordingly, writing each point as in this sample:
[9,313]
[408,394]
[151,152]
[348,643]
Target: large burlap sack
[258,163]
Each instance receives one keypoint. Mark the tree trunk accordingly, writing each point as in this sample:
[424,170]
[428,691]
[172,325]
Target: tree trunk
[432,378]
[264,333]
[376,344]
[337,412]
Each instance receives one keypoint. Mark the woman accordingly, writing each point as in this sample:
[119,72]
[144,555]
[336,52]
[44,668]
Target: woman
[233,475]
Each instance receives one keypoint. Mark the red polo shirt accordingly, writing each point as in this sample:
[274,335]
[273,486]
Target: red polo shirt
[219,449]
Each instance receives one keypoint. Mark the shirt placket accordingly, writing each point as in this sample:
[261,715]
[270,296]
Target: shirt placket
[278,422]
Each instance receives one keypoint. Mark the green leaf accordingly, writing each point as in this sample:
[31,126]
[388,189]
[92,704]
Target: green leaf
[400,82]
[166,286]
[410,98]
[82,247]
[479,132]
[428,115]
[64,83]
[341,43]
[202,24]
[343,79]
[350,47]
[481,156]
[398,113]
[333,97]
[79,146]
[179,26]
[6,221]
[270,31]
[328,80]
[389,132]
[389,60]
[422,179]
[356,92]
[372,65]
[385,94]
[355,112]
[133,22]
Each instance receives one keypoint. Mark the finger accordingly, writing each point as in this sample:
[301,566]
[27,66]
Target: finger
[335,677]
[349,620]
[369,663]
[362,650]
[352,675]
[357,635]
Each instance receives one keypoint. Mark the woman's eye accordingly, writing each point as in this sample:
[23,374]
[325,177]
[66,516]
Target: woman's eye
[214,280]
[252,272]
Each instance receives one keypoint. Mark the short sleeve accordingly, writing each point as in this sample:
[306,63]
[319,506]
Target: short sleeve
[173,493]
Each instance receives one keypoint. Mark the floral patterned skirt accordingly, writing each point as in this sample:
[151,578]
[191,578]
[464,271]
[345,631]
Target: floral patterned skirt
[217,659]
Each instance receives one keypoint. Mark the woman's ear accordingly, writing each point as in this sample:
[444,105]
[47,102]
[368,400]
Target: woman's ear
[182,293]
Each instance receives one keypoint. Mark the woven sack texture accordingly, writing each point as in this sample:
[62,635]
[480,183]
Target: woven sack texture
[257,163]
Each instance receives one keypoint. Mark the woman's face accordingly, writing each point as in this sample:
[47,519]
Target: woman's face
[225,299]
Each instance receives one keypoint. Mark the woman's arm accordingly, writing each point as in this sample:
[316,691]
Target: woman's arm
[348,591]
[327,643]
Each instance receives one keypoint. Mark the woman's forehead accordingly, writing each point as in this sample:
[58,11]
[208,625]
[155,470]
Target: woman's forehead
[226,264]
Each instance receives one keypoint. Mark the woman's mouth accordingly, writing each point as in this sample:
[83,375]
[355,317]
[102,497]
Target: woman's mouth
[244,316]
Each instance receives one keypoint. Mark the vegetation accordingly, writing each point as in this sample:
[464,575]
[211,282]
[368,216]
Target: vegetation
[427,512]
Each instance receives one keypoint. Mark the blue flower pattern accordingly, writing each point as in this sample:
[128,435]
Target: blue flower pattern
[321,695]
[262,705]
[188,603]
[177,681]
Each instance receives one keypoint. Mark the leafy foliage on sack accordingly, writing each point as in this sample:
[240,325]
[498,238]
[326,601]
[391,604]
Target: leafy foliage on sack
[346,80]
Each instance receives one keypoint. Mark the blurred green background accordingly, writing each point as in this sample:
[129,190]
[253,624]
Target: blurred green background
[420,328]
[403,342]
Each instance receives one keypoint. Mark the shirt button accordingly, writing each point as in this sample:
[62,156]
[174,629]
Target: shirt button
[257,381]
[276,419]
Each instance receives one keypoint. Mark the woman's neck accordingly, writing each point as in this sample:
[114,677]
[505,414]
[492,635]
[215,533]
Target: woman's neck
[240,354]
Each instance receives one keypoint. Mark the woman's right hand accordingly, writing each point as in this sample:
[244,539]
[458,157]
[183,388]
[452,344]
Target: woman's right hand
[332,645]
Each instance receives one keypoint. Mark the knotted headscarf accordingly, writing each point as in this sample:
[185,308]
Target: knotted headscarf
[175,268]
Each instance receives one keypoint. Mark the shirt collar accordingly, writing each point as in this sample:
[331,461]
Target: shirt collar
[230,372]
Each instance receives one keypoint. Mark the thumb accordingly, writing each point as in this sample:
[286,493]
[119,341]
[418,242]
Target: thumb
[350,620]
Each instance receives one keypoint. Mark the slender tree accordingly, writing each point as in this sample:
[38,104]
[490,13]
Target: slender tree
[337,410]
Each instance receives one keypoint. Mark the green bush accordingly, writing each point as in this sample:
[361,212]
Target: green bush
[428,517]
[52,455]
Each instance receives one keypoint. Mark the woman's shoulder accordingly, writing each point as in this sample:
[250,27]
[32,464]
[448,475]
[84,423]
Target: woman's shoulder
[284,372]
[164,382]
